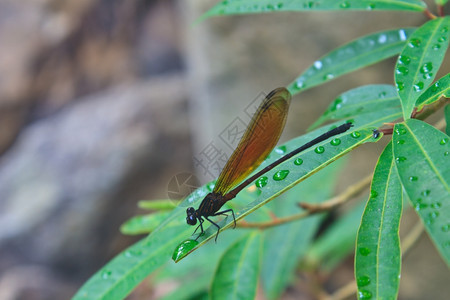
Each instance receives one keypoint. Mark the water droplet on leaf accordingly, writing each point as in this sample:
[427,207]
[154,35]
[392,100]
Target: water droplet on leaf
[261,182]
[280,175]
[298,161]
[335,142]
[319,150]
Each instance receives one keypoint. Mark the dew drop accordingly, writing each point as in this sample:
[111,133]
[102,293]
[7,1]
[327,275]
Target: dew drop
[355,134]
[363,280]
[281,149]
[446,228]
[280,5]
[412,178]
[436,47]
[382,38]
[400,131]
[382,95]
[373,194]
[132,253]
[436,205]
[344,4]
[300,84]
[335,142]
[402,35]
[414,43]
[426,67]
[425,193]
[210,186]
[105,274]
[336,104]
[418,87]
[435,86]
[280,175]
[402,70]
[443,141]
[420,206]
[261,182]
[446,153]
[364,251]
[442,39]
[433,214]
[328,76]
[400,159]
[444,29]
[427,75]
[318,65]
[404,59]
[400,86]
[400,142]
[319,150]
[183,248]
[309,4]
[298,161]
[370,6]
[362,294]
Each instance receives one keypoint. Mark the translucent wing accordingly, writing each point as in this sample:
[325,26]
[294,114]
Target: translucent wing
[259,139]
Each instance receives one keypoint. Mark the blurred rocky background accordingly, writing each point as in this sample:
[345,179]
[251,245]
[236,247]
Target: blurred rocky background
[102,103]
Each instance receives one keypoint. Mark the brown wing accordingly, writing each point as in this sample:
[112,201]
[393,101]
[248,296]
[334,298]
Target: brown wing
[259,139]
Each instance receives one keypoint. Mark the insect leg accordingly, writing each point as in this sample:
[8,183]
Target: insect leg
[201,228]
[218,228]
[223,212]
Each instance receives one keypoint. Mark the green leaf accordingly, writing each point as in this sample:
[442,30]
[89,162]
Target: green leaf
[422,155]
[289,242]
[357,54]
[440,88]
[378,255]
[292,172]
[420,60]
[143,224]
[440,2]
[337,242]
[237,274]
[447,118]
[231,7]
[123,273]
[366,99]
[165,204]
[190,289]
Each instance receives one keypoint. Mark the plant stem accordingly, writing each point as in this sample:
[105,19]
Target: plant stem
[431,108]
[311,209]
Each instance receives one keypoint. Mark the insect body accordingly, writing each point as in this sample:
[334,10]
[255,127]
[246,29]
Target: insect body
[259,139]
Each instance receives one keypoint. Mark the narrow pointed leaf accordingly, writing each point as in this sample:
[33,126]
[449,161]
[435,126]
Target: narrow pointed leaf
[420,60]
[289,242]
[337,242]
[355,55]
[231,7]
[190,290]
[441,2]
[236,276]
[366,99]
[440,88]
[165,204]
[293,172]
[122,274]
[378,255]
[422,155]
[143,224]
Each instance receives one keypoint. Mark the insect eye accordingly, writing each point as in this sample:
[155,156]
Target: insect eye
[191,220]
